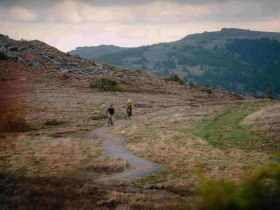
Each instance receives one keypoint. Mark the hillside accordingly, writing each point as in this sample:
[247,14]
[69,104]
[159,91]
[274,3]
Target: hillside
[95,52]
[57,152]
[231,59]
[53,63]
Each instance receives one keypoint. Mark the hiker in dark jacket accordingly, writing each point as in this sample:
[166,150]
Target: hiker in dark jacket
[111,111]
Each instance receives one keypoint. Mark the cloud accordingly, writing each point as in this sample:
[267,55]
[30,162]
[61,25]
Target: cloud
[245,11]
[67,37]
[66,24]
[77,12]
[161,11]
[170,12]
[39,3]
[73,11]
[22,14]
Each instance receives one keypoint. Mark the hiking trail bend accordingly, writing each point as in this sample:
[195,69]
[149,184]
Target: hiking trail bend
[113,146]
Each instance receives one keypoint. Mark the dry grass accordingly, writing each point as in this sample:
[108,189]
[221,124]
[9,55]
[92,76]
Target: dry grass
[46,156]
[165,137]
[163,115]
[70,193]
[21,192]
[266,122]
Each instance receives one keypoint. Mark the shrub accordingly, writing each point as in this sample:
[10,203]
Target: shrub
[175,78]
[106,84]
[270,94]
[64,76]
[25,44]
[13,117]
[191,84]
[15,122]
[259,190]
[207,90]
[54,122]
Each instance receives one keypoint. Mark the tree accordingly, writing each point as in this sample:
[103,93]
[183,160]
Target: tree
[270,94]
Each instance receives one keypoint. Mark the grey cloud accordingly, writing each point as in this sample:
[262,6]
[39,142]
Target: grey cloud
[27,3]
[193,2]
[132,2]
[249,12]
[34,3]
[42,3]
[223,1]
[252,9]
[118,2]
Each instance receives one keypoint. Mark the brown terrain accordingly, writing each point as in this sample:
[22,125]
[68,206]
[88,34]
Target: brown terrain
[52,158]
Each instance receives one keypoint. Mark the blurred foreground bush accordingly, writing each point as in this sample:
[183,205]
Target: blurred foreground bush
[260,189]
[14,120]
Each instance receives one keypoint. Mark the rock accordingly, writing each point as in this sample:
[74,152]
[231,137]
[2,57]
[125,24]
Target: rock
[35,65]
[117,75]
[20,60]
[12,54]
[14,48]
[37,43]
[51,74]
[3,56]
[63,69]
[30,50]
[55,62]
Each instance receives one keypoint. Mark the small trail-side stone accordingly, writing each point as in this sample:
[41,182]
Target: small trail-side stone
[113,146]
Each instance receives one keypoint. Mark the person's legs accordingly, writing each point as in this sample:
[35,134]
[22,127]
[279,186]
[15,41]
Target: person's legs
[130,113]
[110,120]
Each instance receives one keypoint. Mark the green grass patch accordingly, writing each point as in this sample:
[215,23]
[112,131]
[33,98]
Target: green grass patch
[226,130]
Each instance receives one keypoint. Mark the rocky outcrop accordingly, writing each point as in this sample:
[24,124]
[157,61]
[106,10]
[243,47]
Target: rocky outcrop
[40,56]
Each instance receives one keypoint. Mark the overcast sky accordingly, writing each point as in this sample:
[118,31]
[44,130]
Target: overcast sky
[67,24]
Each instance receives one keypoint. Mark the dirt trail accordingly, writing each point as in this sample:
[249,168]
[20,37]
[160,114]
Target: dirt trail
[113,145]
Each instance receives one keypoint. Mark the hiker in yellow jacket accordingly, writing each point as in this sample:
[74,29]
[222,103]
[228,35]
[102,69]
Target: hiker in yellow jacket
[129,108]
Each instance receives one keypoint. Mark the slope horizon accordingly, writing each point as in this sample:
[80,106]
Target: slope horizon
[190,34]
[151,44]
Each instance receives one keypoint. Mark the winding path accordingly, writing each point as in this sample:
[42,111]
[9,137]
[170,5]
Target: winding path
[113,145]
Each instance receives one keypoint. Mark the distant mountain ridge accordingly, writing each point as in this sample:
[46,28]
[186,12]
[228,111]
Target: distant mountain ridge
[230,59]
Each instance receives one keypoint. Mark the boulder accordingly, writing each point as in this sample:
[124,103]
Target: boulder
[3,56]
[35,64]
[20,60]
